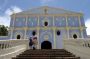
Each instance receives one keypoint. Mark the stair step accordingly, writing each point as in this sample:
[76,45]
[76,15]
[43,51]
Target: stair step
[46,54]
[46,58]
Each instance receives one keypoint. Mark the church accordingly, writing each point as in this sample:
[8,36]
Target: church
[49,25]
[46,33]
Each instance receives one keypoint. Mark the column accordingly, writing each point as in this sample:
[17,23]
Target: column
[11,31]
[26,18]
[67,27]
[80,26]
[12,28]
[38,46]
[54,33]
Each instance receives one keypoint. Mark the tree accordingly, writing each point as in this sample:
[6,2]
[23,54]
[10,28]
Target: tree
[3,30]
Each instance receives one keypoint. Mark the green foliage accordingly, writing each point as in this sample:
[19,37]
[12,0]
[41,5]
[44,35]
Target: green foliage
[3,30]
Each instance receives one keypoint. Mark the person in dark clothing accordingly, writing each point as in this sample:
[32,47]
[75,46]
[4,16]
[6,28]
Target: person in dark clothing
[30,42]
[34,43]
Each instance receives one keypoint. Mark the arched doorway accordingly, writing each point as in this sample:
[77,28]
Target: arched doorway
[18,36]
[46,45]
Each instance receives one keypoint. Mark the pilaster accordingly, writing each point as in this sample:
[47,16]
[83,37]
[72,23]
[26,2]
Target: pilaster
[38,46]
[81,30]
[67,27]
[26,18]
[54,33]
[12,28]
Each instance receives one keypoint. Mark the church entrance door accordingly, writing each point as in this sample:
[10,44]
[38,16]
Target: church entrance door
[18,36]
[46,45]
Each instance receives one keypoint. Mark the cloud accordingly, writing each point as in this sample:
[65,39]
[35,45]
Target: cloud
[46,1]
[87,23]
[5,19]
[13,9]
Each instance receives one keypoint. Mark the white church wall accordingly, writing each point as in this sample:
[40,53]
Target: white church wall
[75,31]
[46,35]
[82,21]
[73,21]
[60,21]
[32,21]
[18,32]
[43,19]
[19,22]
[57,21]
[84,33]
[59,38]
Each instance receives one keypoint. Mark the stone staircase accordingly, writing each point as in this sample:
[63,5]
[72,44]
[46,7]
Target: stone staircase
[46,54]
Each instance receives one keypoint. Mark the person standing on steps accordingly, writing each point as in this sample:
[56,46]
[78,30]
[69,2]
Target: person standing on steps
[34,39]
[34,42]
[30,42]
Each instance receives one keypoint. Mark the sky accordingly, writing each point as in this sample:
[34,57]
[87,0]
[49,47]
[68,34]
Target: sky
[7,7]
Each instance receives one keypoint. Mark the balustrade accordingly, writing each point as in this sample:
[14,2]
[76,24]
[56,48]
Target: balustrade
[79,47]
[77,42]
[4,44]
[11,48]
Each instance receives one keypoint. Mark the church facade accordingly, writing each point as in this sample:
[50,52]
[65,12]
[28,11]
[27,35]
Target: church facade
[47,24]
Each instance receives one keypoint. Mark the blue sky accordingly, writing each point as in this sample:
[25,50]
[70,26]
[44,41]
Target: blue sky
[6,7]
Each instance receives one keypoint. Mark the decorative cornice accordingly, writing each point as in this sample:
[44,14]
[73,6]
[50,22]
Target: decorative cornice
[64,14]
[46,28]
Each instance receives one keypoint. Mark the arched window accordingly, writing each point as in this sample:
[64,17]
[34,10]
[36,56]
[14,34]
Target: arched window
[45,23]
[18,36]
[58,32]
[75,36]
[34,33]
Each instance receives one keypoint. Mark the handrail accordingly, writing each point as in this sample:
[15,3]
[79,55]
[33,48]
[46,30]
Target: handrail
[12,52]
[8,51]
[10,48]
[4,44]
[77,42]
[79,47]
